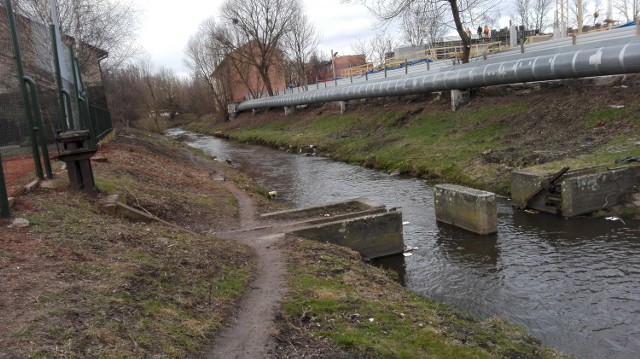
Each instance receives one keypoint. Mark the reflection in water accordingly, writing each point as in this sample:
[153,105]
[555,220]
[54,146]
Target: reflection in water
[394,263]
[573,283]
[466,247]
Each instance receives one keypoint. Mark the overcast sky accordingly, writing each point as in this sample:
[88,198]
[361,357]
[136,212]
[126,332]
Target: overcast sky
[167,25]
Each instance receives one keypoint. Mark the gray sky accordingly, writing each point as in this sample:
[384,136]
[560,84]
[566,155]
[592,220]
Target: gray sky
[167,25]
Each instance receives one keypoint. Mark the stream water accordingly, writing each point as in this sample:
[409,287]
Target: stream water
[573,283]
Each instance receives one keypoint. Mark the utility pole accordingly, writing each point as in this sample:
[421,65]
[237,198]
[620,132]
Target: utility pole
[333,65]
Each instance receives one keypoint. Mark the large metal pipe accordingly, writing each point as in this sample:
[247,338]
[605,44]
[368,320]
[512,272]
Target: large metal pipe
[600,61]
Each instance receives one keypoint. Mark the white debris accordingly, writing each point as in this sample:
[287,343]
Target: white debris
[616,106]
[408,251]
[615,219]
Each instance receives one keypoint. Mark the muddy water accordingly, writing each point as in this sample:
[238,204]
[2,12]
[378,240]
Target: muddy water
[573,283]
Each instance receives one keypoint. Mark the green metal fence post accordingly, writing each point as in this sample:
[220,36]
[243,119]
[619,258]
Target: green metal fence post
[23,89]
[90,120]
[40,124]
[56,61]
[82,118]
[4,197]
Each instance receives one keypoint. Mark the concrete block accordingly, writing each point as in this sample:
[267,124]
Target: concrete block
[343,107]
[577,192]
[467,208]
[523,185]
[350,205]
[373,236]
[109,203]
[31,186]
[591,192]
[289,110]
[459,98]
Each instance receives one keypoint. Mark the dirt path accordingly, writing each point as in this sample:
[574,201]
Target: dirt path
[249,333]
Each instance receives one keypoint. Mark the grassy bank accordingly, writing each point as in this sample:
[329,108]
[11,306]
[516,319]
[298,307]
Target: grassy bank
[363,313]
[79,282]
[500,129]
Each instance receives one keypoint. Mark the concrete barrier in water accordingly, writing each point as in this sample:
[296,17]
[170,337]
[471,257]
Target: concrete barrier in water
[359,224]
[373,236]
[578,192]
[467,208]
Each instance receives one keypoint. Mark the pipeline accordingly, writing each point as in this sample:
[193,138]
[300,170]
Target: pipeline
[600,61]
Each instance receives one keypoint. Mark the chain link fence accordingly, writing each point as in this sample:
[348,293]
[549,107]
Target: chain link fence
[33,107]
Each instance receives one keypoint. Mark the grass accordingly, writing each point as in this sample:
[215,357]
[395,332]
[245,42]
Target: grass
[109,287]
[361,309]
[438,145]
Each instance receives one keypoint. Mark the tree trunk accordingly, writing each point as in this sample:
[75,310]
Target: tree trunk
[466,40]
[264,73]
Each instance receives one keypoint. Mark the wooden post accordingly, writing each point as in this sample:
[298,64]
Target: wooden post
[406,69]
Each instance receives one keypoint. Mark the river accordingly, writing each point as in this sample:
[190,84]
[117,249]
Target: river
[573,283]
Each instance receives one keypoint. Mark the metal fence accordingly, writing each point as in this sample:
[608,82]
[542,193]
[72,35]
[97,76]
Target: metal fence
[41,95]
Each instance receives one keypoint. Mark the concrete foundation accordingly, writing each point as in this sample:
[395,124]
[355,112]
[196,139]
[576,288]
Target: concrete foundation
[343,106]
[577,192]
[373,236]
[359,224]
[459,98]
[467,208]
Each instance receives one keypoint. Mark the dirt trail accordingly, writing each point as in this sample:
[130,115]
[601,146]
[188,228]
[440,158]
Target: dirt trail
[249,333]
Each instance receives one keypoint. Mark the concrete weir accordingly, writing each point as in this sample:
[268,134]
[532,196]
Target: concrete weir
[576,192]
[467,208]
[359,224]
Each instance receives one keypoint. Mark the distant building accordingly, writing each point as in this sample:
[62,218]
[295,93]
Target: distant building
[324,70]
[241,81]
[345,62]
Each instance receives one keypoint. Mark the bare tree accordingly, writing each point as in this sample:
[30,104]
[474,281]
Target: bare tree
[124,87]
[382,45]
[422,23]
[259,27]
[198,98]
[578,8]
[523,12]
[203,55]
[109,25]
[362,46]
[299,43]
[377,48]
[461,12]
[541,10]
[630,9]
[533,14]
[318,67]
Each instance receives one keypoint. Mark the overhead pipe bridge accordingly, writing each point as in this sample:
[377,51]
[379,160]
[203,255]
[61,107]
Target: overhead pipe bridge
[618,56]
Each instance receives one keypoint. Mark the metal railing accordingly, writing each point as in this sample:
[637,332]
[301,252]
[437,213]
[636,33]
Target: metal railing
[102,122]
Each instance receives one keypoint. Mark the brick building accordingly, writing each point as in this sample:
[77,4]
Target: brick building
[242,80]
[37,59]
